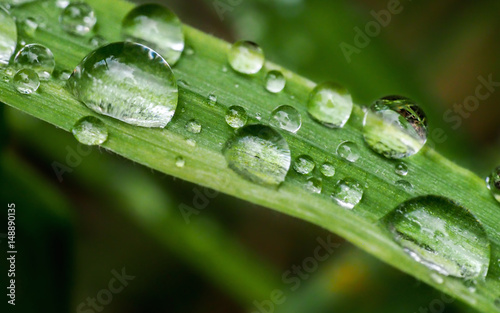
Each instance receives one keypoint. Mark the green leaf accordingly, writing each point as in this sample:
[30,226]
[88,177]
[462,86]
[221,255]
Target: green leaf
[429,172]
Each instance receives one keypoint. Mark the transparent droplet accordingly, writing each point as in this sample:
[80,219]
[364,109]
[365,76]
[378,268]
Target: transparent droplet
[180,162]
[236,116]
[97,41]
[286,117]
[348,151]
[26,81]
[401,169]
[189,51]
[224,69]
[157,27]
[129,82]
[62,3]
[64,75]
[191,142]
[330,104]
[260,154]
[193,126]
[437,278]
[246,57]
[212,99]
[493,183]
[29,26]
[395,127]
[404,185]
[441,235]
[78,18]
[90,131]
[8,37]
[327,169]
[275,81]
[37,58]
[314,185]
[304,164]
[347,193]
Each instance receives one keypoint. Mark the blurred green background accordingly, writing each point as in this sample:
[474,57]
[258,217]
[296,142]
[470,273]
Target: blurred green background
[106,215]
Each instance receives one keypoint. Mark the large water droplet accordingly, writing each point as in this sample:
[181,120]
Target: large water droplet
[246,57]
[493,183]
[90,131]
[304,164]
[38,58]
[286,117]
[259,154]
[129,82]
[8,37]
[330,104]
[26,81]
[236,116]
[348,151]
[193,126]
[275,81]
[78,18]
[327,169]
[395,127]
[441,235]
[157,27]
[347,193]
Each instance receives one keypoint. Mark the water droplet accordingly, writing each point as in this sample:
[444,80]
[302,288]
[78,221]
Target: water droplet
[259,154]
[182,83]
[401,169]
[347,193]
[191,142]
[29,26]
[26,81]
[90,131]
[304,164]
[62,3]
[224,69]
[437,278]
[236,86]
[64,75]
[97,41]
[157,27]
[193,126]
[189,51]
[180,162]
[246,57]
[129,82]
[404,185]
[77,18]
[330,104]
[348,151]
[275,81]
[441,235]
[212,99]
[8,37]
[395,127]
[286,117]
[314,185]
[327,169]
[493,183]
[37,58]
[236,116]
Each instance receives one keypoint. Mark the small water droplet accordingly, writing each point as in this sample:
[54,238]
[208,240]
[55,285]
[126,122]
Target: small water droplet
[224,69]
[437,278]
[441,235]
[246,57]
[64,75]
[330,104]
[97,41]
[78,18]
[193,126]
[314,185]
[404,185]
[348,192]
[26,81]
[29,26]
[90,131]
[236,116]
[8,37]
[180,162]
[275,81]
[191,142]
[37,58]
[236,86]
[493,183]
[157,27]
[129,82]
[395,127]
[348,151]
[304,164]
[260,154]
[189,51]
[401,169]
[212,99]
[327,169]
[286,117]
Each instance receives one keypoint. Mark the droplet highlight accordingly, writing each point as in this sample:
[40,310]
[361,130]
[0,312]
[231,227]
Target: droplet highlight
[90,131]
[330,104]
[246,57]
